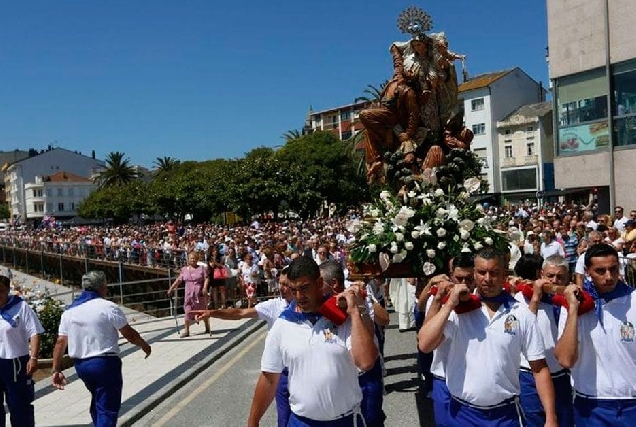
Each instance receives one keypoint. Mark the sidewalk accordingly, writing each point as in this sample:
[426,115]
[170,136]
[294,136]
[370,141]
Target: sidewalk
[147,382]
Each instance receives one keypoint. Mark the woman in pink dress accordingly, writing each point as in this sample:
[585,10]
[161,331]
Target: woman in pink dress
[196,291]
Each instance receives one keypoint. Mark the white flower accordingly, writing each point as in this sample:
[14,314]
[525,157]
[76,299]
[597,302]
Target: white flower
[429,268]
[393,248]
[466,248]
[399,237]
[403,216]
[478,246]
[426,201]
[453,213]
[384,195]
[441,245]
[463,195]
[423,228]
[398,258]
[441,213]
[472,184]
[467,225]
[378,228]
[455,238]
[354,226]
[375,212]
[488,241]
[415,234]
[408,246]
[439,192]
[441,232]
[464,234]
[411,194]
[482,221]
[430,253]
[372,248]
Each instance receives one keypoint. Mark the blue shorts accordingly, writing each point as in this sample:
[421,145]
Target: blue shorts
[441,401]
[282,399]
[590,412]
[505,414]
[531,404]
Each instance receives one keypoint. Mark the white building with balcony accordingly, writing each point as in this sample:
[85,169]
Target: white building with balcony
[488,98]
[526,149]
[24,171]
[56,195]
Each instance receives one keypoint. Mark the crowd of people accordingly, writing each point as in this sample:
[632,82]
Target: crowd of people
[529,329]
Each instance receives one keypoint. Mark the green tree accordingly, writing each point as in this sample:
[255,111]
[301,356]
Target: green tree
[118,171]
[5,213]
[291,135]
[372,93]
[165,165]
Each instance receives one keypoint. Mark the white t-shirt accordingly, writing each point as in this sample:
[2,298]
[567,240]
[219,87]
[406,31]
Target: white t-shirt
[438,365]
[14,342]
[548,328]
[619,224]
[552,248]
[606,365]
[270,310]
[482,367]
[323,380]
[92,328]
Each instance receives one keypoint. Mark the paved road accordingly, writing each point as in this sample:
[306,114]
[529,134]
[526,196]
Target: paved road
[221,395]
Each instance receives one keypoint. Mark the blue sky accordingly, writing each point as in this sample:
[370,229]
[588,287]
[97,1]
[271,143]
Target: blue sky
[204,79]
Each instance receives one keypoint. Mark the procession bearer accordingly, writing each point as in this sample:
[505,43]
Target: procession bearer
[485,346]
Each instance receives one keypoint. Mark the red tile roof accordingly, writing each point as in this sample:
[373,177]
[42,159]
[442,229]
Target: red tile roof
[482,80]
[65,177]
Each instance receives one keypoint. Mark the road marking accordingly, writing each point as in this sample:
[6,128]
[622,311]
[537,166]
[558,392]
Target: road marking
[183,403]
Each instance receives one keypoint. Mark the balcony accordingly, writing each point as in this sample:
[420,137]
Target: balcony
[530,160]
[508,162]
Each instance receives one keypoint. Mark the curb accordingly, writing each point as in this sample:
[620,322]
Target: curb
[148,403]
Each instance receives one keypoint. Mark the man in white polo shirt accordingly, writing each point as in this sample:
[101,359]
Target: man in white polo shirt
[90,327]
[322,358]
[485,346]
[598,346]
[555,271]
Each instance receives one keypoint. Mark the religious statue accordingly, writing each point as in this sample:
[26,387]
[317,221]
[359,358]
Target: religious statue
[418,111]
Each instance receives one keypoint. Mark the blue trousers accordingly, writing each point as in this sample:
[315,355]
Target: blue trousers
[282,399]
[19,390]
[531,404]
[372,395]
[462,415]
[102,377]
[604,412]
[298,421]
[441,401]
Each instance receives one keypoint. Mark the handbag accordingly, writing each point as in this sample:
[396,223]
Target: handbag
[220,273]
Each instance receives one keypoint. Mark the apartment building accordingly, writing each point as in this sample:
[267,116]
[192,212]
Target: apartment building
[56,195]
[593,71]
[526,149]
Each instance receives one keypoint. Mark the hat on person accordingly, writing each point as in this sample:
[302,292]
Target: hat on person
[93,280]
[630,223]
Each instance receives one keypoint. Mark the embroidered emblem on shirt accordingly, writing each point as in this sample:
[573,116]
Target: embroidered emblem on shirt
[330,332]
[627,332]
[511,324]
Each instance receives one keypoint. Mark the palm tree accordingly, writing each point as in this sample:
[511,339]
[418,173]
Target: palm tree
[118,171]
[372,93]
[165,164]
[291,135]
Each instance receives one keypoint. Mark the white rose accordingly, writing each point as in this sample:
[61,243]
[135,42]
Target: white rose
[464,234]
[399,237]
[472,184]
[408,246]
[398,258]
[478,246]
[378,228]
[430,253]
[466,248]
[384,195]
[372,248]
[439,192]
[394,248]
[441,232]
[375,212]
[412,194]
[415,234]
[466,224]
[441,245]
[488,241]
[441,212]
[429,268]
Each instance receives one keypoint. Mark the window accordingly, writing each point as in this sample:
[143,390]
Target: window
[530,149]
[60,192]
[334,120]
[519,179]
[530,129]
[345,115]
[71,191]
[508,149]
[624,82]
[60,207]
[38,207]
[72,206]
[346,135]
[49,207]
[507,135]
[477,104]
[37,192]
[479,129]
[49,192]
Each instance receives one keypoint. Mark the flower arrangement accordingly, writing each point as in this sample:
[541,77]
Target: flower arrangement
[427,222]
[48,309]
